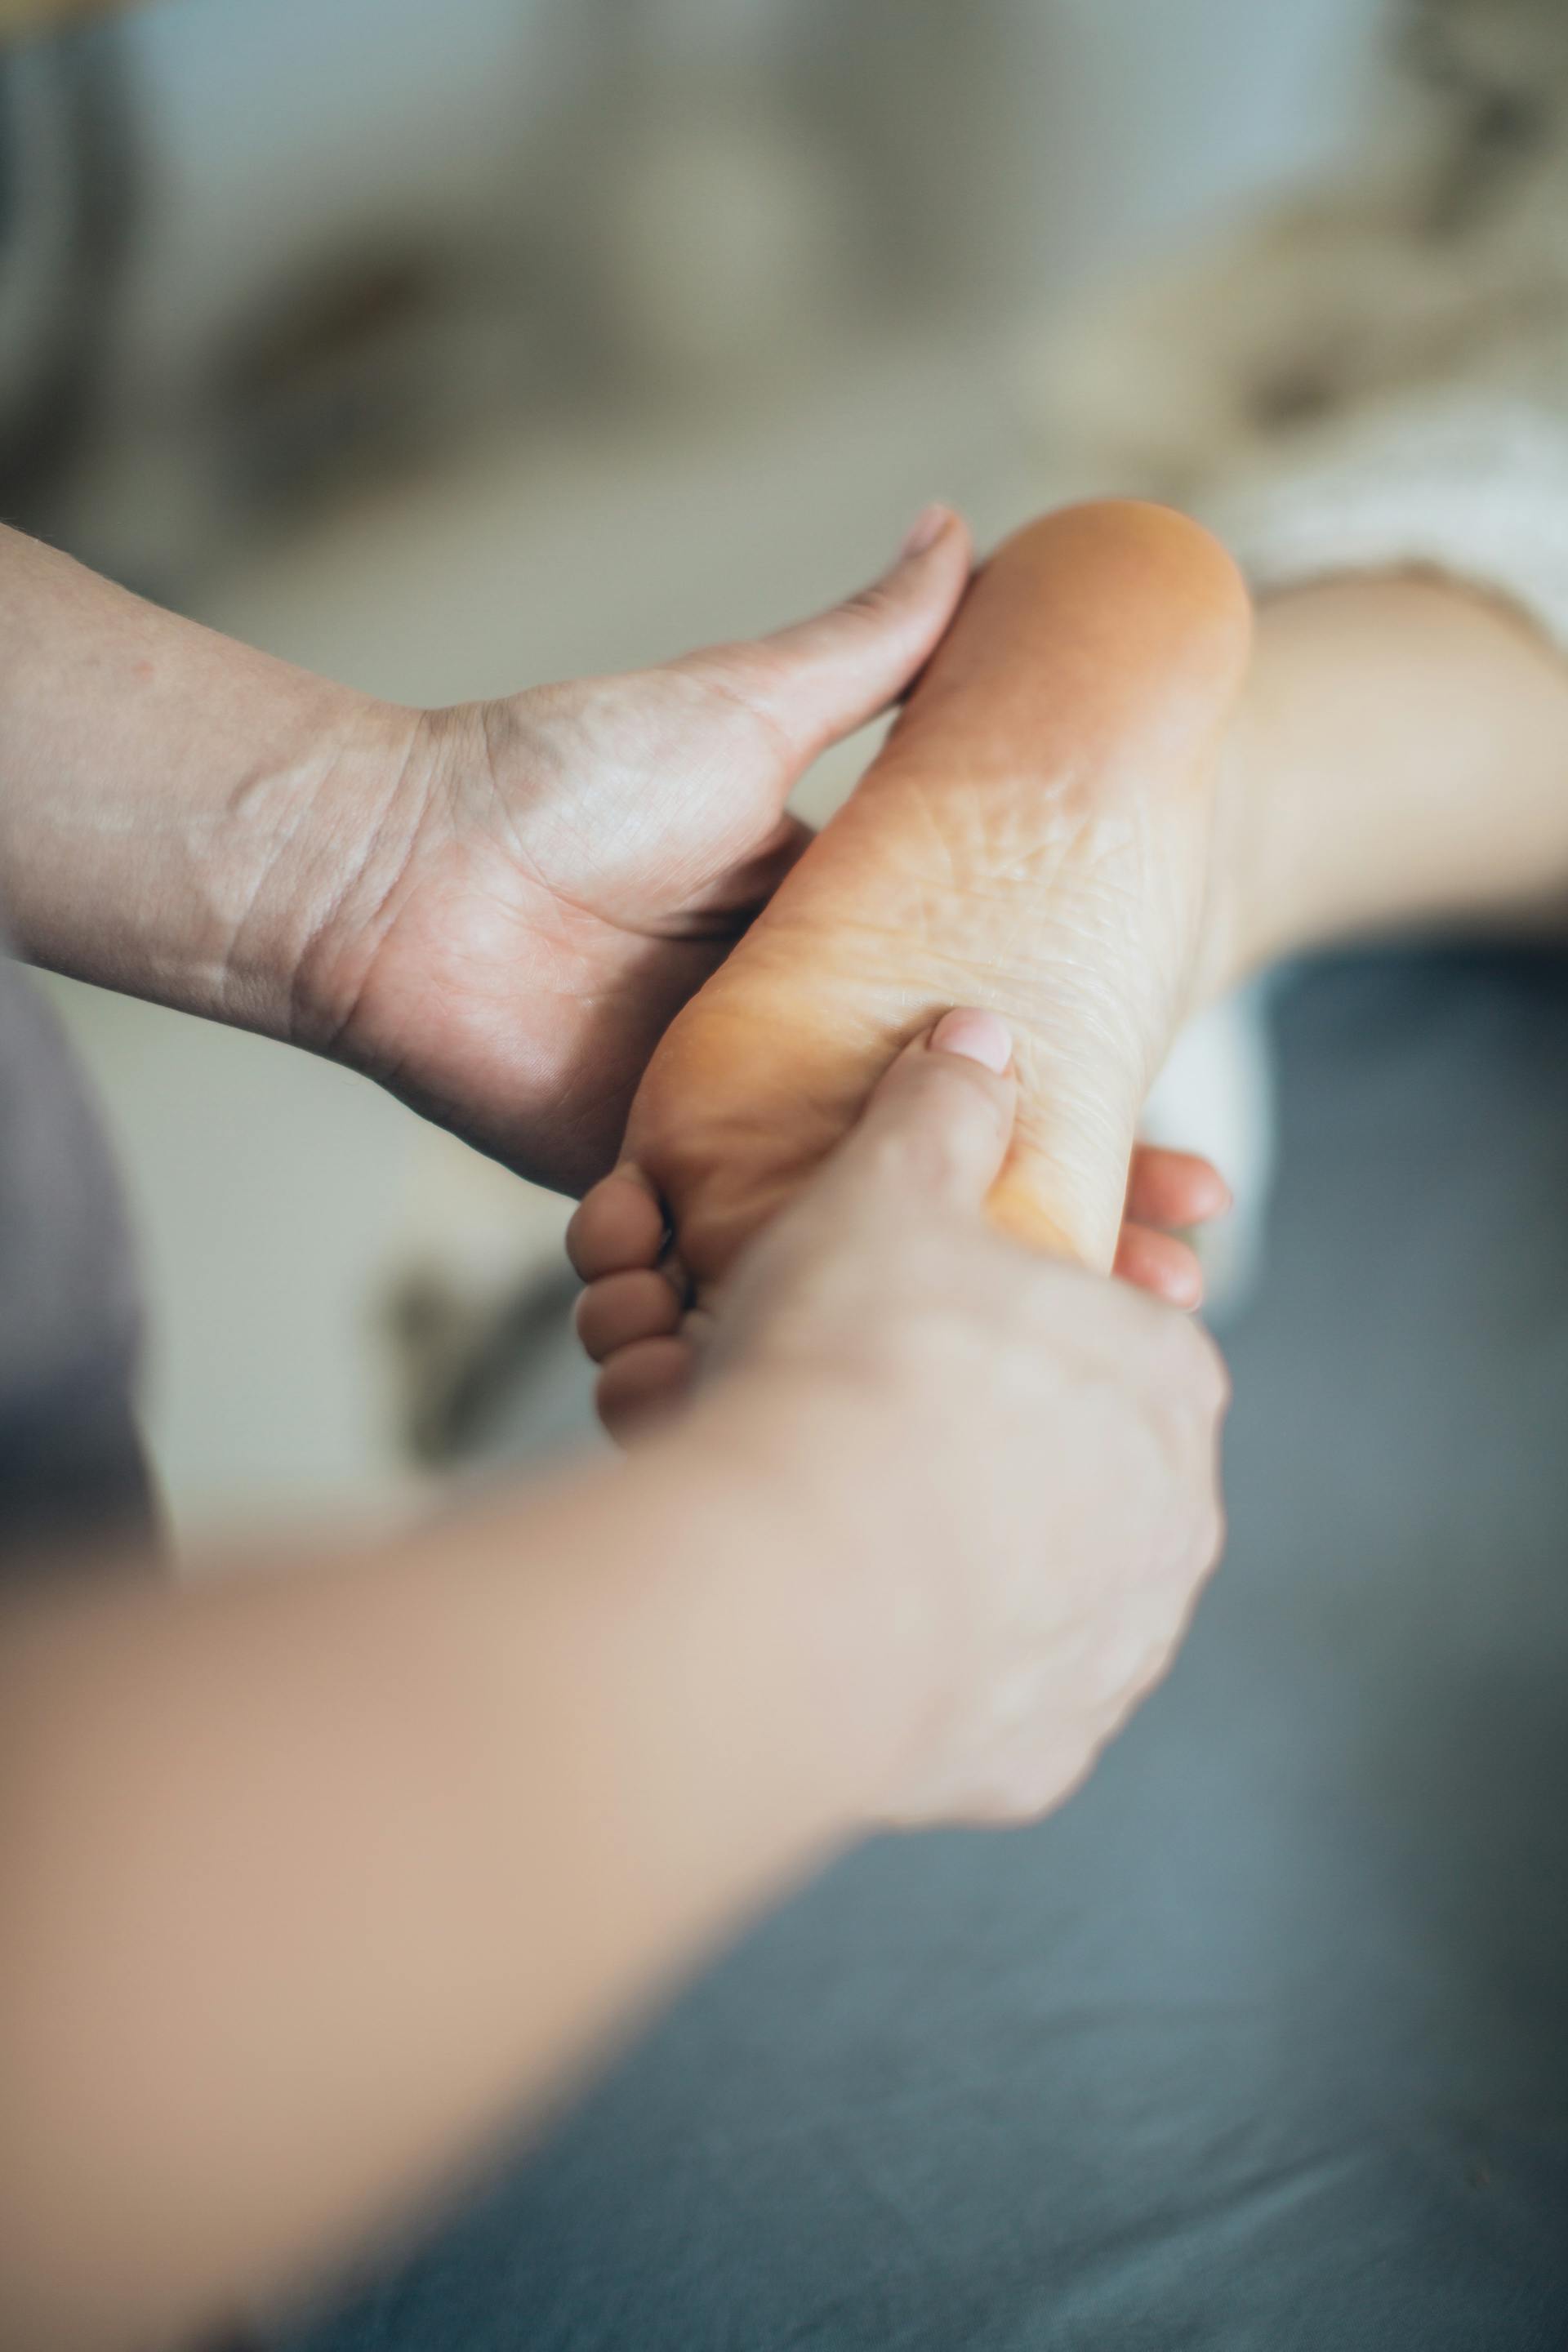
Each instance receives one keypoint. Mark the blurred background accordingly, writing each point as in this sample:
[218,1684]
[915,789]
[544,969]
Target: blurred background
[447,349]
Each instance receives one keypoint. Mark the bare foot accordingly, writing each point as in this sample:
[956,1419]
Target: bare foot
[1032,839]
[633,1318]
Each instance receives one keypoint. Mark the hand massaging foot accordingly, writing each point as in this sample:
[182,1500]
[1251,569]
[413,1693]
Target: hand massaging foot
[1033,837]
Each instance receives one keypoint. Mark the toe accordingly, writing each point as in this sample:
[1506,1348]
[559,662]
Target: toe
[1160,1264]
[621,1308]
[1175,1188]
[618,1225]
[640,1384]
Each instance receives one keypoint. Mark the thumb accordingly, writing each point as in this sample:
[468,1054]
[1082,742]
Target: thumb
[940,1122]
[818,680]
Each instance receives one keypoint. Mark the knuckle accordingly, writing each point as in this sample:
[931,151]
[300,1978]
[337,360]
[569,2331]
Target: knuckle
[1191,1363]
[940,1112]
[1012,1796]
[950,1079]
[1033,1776]
[920,1151]
[873,1159]
[737,691]
[1214,1377]
[1046,1292]
[1192,1558]
[869,605]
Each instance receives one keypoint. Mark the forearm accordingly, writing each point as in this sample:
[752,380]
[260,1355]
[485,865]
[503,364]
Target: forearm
[310,1882]
[179,814]
[1401,758]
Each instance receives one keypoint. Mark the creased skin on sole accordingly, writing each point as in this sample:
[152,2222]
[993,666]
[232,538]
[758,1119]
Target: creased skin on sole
[1032,838]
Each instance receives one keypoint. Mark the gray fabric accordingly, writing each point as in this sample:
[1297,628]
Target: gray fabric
[70,1465]
[1263,2043]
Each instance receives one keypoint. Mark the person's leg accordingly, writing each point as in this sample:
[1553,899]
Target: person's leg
[1400,758]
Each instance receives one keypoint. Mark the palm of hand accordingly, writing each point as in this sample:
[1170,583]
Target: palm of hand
[553,874]
[576,861]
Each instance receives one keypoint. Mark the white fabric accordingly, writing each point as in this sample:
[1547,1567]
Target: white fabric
[1474,485]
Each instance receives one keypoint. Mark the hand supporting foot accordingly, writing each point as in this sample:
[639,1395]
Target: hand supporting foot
[635,1319]
[1034,840]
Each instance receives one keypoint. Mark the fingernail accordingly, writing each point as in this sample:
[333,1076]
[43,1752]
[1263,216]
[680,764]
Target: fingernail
[925,531]
[977,1036]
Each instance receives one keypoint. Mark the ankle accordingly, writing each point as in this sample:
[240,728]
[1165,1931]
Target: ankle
[1231,940]
[1259,904]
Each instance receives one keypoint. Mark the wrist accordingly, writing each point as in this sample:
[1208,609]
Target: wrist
[334,857]
[294,868]
[181,814]
[820,1469]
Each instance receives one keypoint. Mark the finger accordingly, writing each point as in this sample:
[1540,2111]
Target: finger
[940,1121]
[1162,1265]
[617,1225]
[641,1384]
[621,1308]
[1175,1188]
[819,679]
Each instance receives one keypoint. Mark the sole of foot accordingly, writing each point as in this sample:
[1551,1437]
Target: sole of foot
[1034,839]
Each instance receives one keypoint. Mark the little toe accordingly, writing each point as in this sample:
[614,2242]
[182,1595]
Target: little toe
[618,1225]
[642,1383]
[620,1310]
[1160,1264]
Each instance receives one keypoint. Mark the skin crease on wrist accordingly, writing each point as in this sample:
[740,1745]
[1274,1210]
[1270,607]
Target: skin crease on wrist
[493,910]
[1401,756]
[1397,759]
[193,820]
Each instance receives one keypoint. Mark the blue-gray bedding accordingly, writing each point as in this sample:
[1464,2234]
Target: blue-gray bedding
[1263,2043]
